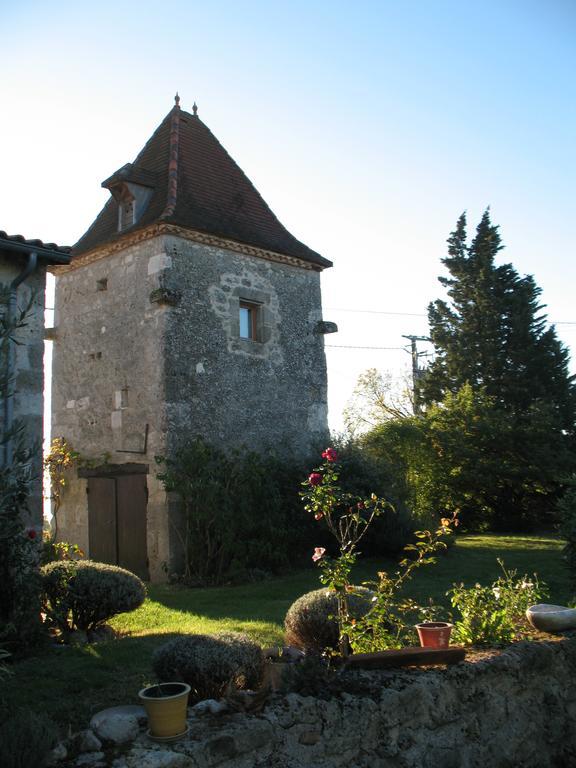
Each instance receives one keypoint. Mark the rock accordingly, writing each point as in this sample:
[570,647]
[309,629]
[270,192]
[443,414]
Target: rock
[91,759]
[58,754]
[147,758]
[309,738]
[118,725]
[552,618]
[209,706]
[86,741]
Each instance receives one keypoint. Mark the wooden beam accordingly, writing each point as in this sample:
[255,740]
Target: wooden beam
[405,657]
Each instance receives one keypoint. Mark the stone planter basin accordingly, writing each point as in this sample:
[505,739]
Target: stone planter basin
[551,618]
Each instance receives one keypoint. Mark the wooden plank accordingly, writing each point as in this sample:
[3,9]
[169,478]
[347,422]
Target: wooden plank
[102,541]
[405,657]
[132,545]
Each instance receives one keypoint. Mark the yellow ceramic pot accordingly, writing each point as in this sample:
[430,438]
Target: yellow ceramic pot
[166,705]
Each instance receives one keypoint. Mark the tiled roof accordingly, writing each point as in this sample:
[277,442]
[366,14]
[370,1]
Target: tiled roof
[198,186]
[57,254]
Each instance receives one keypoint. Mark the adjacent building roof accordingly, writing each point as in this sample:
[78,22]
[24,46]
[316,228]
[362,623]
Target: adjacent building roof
[49,252]
[198,186]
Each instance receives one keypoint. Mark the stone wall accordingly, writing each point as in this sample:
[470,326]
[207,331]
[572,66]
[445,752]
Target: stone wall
[513,710]
[28,384]
[237,392]
[148,353]
[108,382]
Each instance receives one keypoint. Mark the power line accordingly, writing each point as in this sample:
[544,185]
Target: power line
[415,314]
[350,346]
[375,312]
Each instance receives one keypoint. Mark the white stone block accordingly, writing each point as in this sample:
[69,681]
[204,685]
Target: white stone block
[159,262]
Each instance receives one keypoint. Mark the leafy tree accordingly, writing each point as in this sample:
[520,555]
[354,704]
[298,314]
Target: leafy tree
[468,456]
[492,334]
[376,398]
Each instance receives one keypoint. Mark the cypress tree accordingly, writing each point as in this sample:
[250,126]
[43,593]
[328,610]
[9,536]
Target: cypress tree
[492,334]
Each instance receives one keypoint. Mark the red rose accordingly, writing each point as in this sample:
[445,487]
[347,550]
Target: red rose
[318,516]
[31,533]
[315,478]
[330,455]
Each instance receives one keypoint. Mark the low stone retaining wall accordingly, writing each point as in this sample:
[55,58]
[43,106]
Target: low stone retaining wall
[514,709]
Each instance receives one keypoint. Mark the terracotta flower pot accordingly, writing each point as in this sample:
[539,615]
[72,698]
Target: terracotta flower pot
[166,705]
[434,634]
[274,674]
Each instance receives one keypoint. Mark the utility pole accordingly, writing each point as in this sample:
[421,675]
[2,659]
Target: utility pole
[416,370]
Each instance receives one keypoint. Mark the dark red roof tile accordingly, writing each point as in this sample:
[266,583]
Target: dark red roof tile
[199,187]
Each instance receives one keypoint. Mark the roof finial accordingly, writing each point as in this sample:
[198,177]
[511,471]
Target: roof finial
[177,99]
[195,109]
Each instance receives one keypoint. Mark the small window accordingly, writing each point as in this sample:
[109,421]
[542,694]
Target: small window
[126,214]
[248,321]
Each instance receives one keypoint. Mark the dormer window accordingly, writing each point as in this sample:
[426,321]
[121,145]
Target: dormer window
[126,214]
[132,189]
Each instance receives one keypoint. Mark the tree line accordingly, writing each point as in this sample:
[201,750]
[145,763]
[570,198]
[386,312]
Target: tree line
[494,439]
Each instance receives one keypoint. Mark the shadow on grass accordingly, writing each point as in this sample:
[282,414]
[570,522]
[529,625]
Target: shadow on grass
[71,684]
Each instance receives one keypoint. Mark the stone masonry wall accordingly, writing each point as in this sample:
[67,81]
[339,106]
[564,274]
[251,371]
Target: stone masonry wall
[514,710]
[28,384]
[270,392]
[108,381]
[147,342]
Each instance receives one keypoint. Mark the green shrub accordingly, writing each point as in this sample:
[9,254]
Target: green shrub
[494,615]
[364,474]
[81,595]
[210,663]
[311,621]
[240,513]
[26,740]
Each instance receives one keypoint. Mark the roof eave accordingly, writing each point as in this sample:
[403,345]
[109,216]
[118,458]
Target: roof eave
[46,254]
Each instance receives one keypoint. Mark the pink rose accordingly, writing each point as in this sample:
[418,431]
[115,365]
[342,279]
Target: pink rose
[330,455]
[315,478]
[318,554]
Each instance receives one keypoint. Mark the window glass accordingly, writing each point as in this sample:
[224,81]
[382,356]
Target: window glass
[246,322]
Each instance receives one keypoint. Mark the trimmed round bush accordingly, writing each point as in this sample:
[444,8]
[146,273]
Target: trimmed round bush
[80,595]
[307,622]
[209,663]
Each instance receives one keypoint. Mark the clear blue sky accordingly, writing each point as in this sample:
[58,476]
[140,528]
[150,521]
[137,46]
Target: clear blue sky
[368,127]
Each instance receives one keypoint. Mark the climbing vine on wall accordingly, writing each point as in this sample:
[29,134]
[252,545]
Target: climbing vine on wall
[59,461]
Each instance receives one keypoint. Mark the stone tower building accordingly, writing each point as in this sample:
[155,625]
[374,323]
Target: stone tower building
[187,309]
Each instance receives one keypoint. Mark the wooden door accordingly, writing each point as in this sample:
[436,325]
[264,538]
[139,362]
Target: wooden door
[117,521]
[131,500]
[102,537]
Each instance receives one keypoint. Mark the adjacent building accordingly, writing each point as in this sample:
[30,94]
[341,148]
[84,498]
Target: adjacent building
[23,265]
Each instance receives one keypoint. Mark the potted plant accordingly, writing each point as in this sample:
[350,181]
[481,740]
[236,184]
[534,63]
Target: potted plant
[277,662]
[434,634]
[166,705]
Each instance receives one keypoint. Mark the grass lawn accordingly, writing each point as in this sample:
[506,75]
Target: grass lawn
[71,683]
